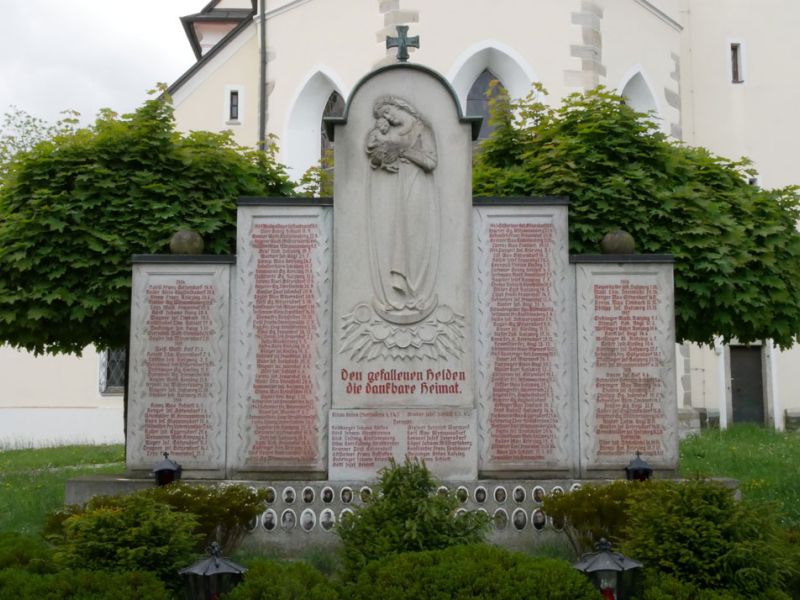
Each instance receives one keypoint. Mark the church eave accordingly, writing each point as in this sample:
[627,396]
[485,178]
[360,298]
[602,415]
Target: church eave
[204,59]
[222,16]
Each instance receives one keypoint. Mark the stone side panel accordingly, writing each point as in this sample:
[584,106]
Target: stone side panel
[524,339]
[278,413]
[626,366]
[178,380]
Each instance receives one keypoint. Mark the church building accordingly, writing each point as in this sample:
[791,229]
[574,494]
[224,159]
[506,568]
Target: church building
[714,73]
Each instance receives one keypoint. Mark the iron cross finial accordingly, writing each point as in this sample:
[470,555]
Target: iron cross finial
[402,42]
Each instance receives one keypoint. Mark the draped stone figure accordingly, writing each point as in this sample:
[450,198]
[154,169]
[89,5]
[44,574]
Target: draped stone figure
[403,212]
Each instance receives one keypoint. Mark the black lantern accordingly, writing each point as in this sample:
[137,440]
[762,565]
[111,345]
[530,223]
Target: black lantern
[608,571]
[211,577]
[638,469]
[167,471]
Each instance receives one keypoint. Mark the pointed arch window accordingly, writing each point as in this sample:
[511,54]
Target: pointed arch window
[479,97]
[334,107]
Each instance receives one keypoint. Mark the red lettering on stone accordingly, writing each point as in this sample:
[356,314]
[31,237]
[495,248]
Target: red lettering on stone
[628,414]
[283,412]
[178,368]
[523,420]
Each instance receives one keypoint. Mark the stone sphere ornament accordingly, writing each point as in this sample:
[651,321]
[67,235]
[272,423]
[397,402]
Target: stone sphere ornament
[617,242]
[186,241]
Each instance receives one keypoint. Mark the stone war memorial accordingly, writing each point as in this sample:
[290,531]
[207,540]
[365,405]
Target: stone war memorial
[402,317]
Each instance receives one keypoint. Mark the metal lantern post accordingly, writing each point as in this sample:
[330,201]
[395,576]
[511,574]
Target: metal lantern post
[167,471]
[211,577]
[638,469]
[608,571]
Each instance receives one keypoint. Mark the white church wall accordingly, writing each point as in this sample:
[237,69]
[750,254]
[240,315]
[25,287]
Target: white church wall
[200,104]
[532,46]
[55,399]
[313,52]
[639,50]
[736,119]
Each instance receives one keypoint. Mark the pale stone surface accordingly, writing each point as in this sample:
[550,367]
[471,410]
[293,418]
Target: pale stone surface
[525,348]
[363,441]
[626,365]
[178,382]
[278,412]
[402,279]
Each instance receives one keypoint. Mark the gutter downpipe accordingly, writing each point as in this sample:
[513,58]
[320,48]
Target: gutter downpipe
[777,413]
[719,350]
[262,88]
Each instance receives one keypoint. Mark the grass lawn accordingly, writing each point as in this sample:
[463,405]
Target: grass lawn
[766,463]
[32,480]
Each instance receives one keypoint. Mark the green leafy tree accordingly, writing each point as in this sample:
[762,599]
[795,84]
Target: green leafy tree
[20,131]
[75,206]
[736,247]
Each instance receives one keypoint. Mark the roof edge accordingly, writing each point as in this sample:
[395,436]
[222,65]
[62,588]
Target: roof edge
[204,59]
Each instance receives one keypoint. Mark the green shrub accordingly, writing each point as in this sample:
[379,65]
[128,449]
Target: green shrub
[23,551]
[406,515]
[275,581]
[223,510]
[591,513]
[138,533]
[658,586]
[474,571]
[80,585]
[697,532]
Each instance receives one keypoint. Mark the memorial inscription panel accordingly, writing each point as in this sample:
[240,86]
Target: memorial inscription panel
[178,365]
[279,413]
[362,441]
[523,323]
[626,364]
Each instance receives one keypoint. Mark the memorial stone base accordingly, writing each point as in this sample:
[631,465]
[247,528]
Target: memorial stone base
[303,514]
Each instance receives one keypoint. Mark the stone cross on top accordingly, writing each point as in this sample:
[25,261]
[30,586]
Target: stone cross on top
[402,42]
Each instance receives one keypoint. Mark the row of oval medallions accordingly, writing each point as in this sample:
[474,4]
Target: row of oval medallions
[327,518]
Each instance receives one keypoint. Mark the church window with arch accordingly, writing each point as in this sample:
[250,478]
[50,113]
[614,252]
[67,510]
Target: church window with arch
[487,87]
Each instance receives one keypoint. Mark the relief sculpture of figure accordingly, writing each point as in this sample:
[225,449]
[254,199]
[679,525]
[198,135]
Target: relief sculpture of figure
[403,212]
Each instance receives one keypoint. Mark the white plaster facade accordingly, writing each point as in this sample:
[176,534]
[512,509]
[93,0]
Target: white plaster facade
[670,56]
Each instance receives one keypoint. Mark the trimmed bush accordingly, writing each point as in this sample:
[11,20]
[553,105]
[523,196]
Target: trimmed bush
[23,551]
[80,585]
[277,581]
[407,514]
[137,534]
[221,511]
[659,586]
[591,513]
[475,571]
[697,532]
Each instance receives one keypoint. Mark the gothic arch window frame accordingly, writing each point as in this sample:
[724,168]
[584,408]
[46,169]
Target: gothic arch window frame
[301,132]
[637,72]
[478,95]
[507,64]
